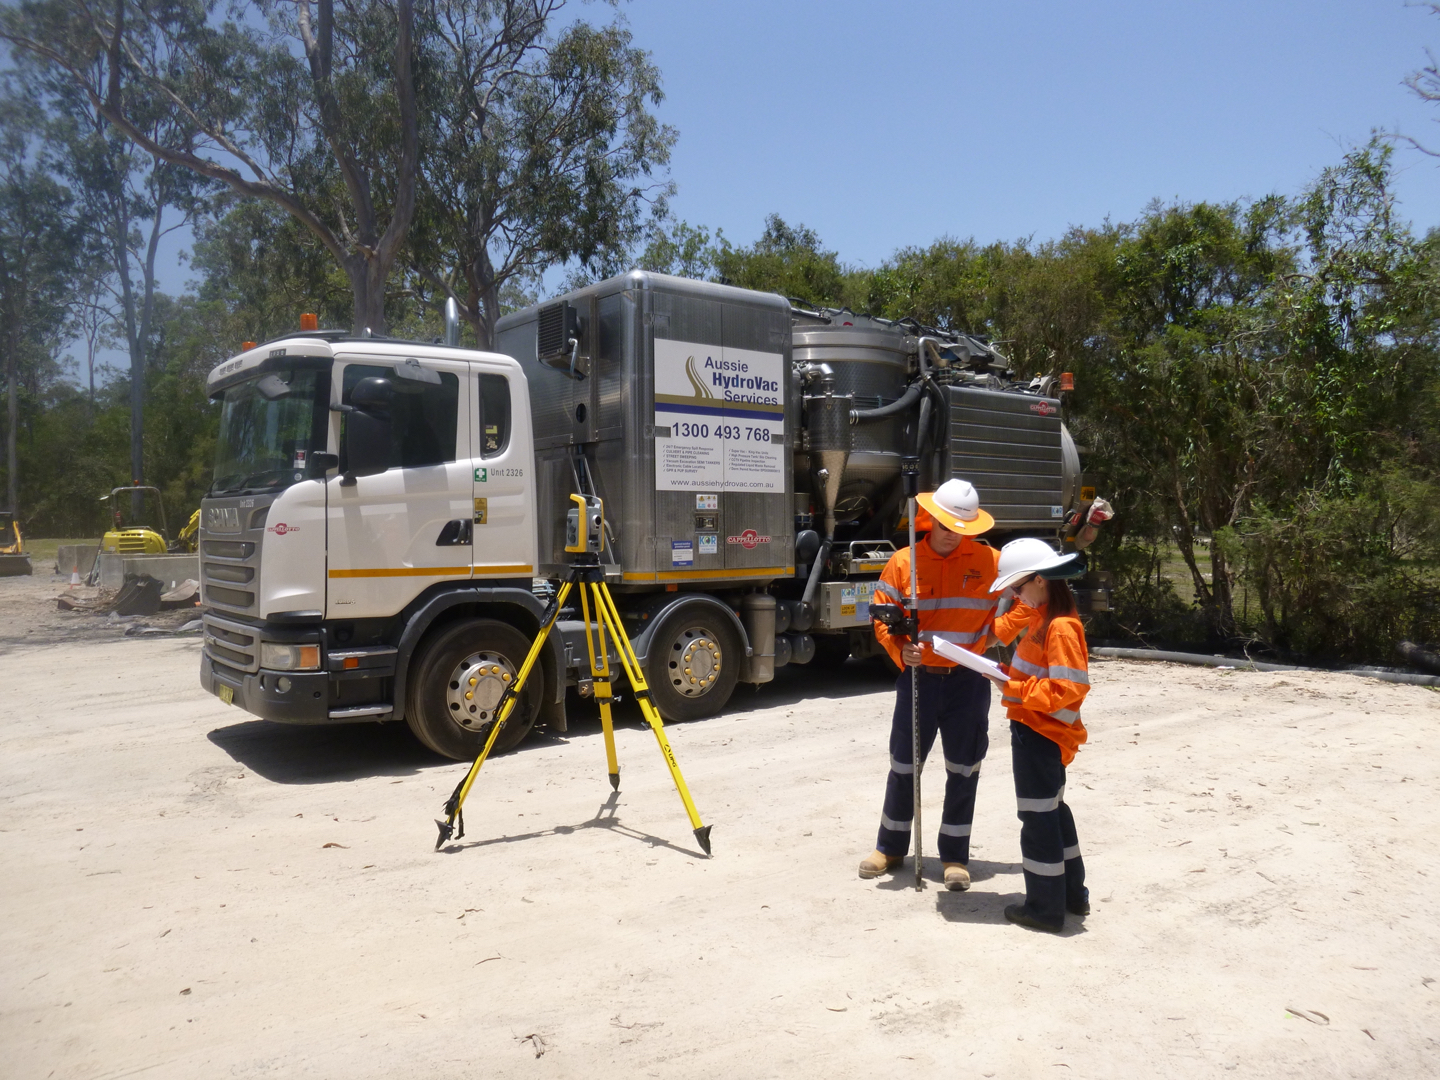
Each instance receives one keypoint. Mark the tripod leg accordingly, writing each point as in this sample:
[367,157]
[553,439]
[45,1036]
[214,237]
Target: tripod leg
[610,615]
[456,802]
[600,676]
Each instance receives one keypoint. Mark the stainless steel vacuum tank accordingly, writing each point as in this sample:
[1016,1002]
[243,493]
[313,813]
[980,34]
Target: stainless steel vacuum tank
[869,363]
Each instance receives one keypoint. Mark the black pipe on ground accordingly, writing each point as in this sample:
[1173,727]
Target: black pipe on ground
[1200,660]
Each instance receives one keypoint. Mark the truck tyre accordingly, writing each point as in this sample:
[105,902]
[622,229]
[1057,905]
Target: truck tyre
[693,663]
[456,682]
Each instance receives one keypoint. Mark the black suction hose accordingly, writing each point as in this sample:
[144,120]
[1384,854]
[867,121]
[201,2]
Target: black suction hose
[813,582]
[937,448]
[884,412]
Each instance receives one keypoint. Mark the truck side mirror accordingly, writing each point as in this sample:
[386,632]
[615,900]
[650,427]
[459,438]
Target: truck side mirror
[373,394]
[318,464]
[367,428]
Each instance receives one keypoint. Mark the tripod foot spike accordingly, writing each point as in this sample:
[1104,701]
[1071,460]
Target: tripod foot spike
[702,837]
[615,781]
[445,833]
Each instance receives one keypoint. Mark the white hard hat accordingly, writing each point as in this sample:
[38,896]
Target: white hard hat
[956,505]
[1021,558]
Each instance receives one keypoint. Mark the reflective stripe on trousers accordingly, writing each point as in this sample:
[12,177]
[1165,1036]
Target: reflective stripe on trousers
[957,707]
[1049,845]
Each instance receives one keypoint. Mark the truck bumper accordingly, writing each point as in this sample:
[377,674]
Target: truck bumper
[289,697]
[352,685]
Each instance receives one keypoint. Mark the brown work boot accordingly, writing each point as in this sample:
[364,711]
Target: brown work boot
[877,863]
[957,877]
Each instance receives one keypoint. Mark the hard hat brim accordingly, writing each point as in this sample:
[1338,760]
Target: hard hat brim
[1005,582]
[983,522]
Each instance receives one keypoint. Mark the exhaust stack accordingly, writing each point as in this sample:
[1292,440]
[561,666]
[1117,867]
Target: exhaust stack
[452,321]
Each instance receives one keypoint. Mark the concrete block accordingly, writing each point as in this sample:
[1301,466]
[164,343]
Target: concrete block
[70,556]
[168,569]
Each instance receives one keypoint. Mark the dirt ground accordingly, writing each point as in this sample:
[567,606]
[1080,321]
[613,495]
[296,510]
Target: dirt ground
[194,893]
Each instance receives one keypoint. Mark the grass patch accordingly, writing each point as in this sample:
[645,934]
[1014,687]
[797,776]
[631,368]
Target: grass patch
[42,552]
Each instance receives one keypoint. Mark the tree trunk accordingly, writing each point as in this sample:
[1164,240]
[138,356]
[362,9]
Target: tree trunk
[137,375]
[484,298]
[1222,596]
[12,378]
[367,288]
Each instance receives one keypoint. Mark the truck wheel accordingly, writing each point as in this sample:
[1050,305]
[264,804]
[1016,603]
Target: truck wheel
[693,664]
[456,682]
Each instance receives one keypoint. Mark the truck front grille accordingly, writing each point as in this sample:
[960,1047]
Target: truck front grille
[231,643]
[228,569]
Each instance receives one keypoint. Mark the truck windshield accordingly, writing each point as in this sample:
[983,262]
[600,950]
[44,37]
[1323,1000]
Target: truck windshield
[264,441]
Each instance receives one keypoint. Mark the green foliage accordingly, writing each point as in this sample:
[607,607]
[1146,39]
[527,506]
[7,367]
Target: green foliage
[41,253]
[265,270]
[788,260]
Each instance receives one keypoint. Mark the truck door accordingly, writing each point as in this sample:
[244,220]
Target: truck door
[394,534]
[503,515]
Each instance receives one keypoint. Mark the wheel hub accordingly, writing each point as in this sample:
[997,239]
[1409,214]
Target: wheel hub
[476,686]
[695,662]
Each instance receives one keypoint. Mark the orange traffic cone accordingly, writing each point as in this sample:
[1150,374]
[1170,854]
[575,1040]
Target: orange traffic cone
[74,575]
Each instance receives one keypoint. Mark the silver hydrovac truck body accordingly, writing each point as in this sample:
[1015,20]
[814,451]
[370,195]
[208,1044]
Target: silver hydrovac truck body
[387,519]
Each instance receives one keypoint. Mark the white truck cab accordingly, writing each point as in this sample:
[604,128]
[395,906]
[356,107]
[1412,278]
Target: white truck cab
[363,489]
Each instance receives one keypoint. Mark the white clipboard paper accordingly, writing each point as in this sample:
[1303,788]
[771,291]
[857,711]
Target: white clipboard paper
[965,658]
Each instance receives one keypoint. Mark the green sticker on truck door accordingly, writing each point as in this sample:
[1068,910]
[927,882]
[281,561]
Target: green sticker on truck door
[481,475]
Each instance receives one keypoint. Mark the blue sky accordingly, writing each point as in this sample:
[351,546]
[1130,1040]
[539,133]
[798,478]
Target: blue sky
[886,125]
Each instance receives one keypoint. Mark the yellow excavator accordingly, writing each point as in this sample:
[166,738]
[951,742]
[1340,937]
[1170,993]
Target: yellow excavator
[13,560]
[137,539]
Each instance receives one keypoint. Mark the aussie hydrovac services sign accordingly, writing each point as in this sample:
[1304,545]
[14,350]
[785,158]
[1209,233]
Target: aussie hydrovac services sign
[719,418]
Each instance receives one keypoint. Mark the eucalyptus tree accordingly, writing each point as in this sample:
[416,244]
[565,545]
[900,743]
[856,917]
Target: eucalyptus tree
[128,201]
[539,149]
[40,249]
[311,106]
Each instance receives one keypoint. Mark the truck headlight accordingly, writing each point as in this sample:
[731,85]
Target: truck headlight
[279,657]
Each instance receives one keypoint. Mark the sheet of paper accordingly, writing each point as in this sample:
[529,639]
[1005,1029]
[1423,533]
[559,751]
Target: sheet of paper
[965,658]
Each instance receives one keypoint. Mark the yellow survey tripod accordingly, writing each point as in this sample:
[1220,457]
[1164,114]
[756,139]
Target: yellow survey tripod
[584,530]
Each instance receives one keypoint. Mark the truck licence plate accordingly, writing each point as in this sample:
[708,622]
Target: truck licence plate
[227,694]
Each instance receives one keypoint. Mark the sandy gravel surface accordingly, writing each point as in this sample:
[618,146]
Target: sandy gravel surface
[191,893]
[30,616]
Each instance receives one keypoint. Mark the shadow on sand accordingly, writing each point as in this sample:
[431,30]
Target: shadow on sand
[334,753]
[329,753]
[971,906]
[605,818]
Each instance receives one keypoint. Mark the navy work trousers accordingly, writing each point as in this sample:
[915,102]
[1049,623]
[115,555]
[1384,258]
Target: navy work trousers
[958,706]
[1049,846]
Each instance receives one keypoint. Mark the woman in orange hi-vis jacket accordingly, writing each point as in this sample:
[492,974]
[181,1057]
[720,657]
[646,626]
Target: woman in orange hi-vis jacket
[1048,679]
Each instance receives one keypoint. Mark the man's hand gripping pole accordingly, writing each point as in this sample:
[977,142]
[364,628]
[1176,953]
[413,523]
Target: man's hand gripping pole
[454,817]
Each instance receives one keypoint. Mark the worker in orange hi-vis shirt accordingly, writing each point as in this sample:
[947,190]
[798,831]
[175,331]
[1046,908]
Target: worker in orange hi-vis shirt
[1048,679]
[954,571]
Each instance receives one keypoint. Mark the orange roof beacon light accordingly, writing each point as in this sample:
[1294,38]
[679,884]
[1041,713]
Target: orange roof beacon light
[308,321]
[1067,381]
[246,346]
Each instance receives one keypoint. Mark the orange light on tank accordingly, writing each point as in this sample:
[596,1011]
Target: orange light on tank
[1067,381]
[308,321]
[246,346]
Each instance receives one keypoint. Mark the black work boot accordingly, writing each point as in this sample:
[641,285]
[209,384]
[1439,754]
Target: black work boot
[1079,905]
[1022,916]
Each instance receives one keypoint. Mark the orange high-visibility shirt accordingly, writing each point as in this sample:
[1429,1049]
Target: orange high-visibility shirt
[1049,676]
[955,601]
